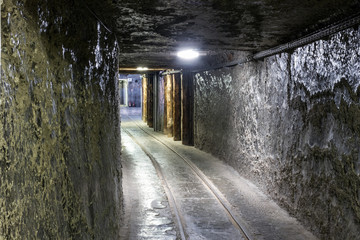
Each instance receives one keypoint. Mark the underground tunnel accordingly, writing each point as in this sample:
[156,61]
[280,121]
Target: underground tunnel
[194,119]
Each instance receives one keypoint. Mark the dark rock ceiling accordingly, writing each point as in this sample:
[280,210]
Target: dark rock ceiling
[150,32]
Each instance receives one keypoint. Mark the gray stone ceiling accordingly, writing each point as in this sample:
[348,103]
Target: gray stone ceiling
[150,32]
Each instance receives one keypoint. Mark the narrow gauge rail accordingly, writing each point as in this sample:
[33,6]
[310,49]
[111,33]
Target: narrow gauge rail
[233,217]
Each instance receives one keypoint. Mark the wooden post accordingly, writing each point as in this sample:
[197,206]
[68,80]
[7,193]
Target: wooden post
[187,90]
[176,106]
[144,99]
[155,102]
[166,131]
[160,103]
[149,102]
[169,109]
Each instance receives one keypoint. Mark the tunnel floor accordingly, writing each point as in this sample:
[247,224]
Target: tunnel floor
[172,191]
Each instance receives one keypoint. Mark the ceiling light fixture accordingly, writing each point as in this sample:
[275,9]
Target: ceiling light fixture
[142,68]
[188,54]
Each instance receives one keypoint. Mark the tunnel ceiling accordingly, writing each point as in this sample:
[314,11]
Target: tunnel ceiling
[150,32]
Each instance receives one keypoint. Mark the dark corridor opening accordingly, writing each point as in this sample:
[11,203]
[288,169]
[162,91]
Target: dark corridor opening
[130,90]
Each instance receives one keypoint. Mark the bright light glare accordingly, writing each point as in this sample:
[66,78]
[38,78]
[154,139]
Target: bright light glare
[188,54]
[142,69]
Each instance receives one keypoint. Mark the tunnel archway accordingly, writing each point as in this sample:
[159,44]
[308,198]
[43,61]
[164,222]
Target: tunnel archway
[274,94]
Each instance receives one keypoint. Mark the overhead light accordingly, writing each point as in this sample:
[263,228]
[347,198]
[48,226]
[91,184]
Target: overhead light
[188,54]
[142,68]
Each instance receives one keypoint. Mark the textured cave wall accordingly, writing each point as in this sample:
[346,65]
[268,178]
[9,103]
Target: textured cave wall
[291,124]
[59,131]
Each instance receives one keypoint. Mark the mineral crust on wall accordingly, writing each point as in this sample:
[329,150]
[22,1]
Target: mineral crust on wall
[291,124]
[59,132]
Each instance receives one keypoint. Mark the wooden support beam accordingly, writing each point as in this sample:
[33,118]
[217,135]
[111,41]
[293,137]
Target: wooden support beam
[149,103]
[176,106]
[169,108]
[144,99]
[155,102]
[166,131]
[187,90]
[161,104]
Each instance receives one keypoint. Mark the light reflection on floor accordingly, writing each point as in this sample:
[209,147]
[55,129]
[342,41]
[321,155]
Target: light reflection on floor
[147,213]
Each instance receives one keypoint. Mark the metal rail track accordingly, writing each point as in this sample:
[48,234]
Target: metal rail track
[179,220]
[237,222]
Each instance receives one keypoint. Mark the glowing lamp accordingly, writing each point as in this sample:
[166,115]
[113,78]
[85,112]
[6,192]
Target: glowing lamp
[188,54]
[142,68]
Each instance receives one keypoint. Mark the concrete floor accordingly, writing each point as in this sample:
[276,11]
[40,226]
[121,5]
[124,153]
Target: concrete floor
[158,206]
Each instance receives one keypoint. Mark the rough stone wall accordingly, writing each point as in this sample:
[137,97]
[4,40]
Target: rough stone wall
[291,124]
[59,131]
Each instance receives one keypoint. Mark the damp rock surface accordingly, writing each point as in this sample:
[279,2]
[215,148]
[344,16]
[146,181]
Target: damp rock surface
[290,124]
[59,130]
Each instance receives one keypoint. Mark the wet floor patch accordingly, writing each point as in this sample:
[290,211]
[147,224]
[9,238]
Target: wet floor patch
[147,211]
[201,215]
[157,204]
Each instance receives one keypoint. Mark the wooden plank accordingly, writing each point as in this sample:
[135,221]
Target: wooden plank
[177,106]
[169,107]
[155,102]
[161,94]
[187,90]
[149,102]
[144,94]
[166,131]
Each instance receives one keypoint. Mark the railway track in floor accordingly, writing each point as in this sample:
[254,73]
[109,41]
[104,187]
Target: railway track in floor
[232,215]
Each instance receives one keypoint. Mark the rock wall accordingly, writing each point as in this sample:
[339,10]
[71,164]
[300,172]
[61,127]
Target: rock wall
[291,124]
[59,131]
